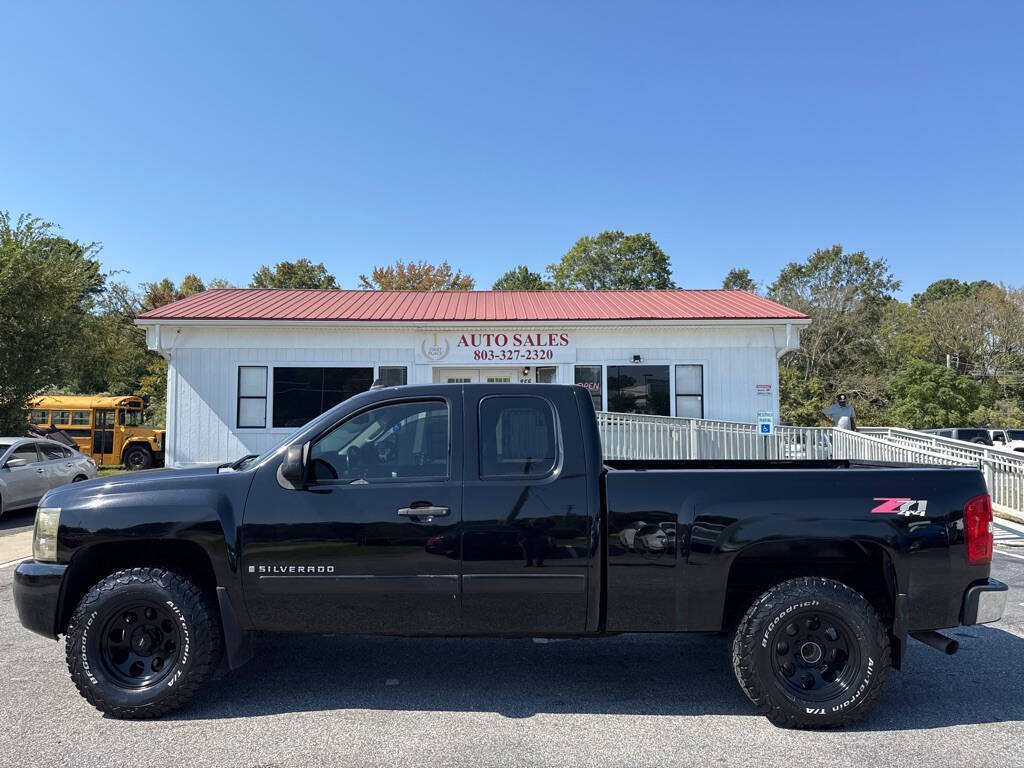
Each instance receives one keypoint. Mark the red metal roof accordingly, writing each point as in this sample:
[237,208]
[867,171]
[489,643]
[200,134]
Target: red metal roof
[470,306]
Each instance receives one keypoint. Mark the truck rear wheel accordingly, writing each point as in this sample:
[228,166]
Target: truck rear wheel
[141,642]
[137,457]
[811,653]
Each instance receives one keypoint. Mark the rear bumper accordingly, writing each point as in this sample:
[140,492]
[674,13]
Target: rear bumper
[984,603]
[37,595]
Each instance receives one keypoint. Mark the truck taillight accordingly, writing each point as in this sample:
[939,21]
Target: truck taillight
[978,529]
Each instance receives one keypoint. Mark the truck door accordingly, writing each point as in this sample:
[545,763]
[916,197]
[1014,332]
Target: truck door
[527,526]
[370,545]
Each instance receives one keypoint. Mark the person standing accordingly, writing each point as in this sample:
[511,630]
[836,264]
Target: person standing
[841,414]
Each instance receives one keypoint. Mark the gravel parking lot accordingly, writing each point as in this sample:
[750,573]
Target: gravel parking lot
[631,701]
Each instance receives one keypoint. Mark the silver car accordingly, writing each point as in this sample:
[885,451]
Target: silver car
[29,467]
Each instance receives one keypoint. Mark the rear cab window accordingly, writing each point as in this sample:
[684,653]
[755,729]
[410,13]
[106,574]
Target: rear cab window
[517,437]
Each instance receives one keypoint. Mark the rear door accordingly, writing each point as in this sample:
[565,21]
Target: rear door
[527,529]
[59,469]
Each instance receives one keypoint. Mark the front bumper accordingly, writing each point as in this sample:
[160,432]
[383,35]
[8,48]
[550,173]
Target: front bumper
[37,595]
[984,603]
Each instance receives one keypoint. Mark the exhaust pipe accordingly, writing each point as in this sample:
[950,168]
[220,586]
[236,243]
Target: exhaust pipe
[939,642]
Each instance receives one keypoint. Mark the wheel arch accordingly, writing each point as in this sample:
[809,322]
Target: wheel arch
[91,564]
[865,566]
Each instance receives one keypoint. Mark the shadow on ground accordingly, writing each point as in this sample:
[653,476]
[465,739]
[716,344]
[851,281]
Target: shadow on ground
[676,675]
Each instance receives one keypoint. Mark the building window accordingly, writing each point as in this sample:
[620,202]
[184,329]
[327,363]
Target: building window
[690,391]
[39,417]
[589,377]
[499,379]
[638,389]
[393,375]
[60,417]
[546,375]
[80,418]
[252,396]
[517,437]
[302,394]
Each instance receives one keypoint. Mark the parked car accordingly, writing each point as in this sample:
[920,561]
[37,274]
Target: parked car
[29,467]
[485,510]
[1012,439]
[967,434]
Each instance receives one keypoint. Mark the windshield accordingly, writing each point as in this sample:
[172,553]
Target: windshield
[4,447]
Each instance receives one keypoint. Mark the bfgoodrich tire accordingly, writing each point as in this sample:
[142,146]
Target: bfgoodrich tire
[141,642]
[811,653]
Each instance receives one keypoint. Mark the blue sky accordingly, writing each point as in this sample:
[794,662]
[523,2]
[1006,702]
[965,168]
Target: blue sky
[216,139]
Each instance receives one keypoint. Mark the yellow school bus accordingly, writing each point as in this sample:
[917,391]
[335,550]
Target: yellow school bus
[110,428]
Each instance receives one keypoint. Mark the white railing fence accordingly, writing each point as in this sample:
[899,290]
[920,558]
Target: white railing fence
[634,436]
[639,437]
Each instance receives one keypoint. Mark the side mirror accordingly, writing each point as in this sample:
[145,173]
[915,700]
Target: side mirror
[292,472]
[12,463]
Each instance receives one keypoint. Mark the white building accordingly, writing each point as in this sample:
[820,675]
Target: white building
[247,366]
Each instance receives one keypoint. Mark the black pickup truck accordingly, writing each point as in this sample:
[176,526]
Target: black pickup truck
[487,510]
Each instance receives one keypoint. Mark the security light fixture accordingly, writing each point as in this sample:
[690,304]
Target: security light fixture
[526,370]
[637,359]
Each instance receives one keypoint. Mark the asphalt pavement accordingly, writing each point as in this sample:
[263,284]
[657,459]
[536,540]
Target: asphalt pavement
[632,700]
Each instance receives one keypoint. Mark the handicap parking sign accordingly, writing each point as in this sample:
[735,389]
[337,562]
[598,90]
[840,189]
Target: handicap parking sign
[765,422]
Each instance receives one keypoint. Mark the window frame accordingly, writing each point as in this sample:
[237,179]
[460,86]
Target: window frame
[377,374]
[603,381]
[86,423]
[269,429]
[556,464]
[676,394]
[239,397]
[378,481]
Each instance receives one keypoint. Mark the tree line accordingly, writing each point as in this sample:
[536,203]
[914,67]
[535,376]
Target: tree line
[952,355]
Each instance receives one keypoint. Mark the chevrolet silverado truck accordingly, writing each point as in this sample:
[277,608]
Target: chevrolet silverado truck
[487,510]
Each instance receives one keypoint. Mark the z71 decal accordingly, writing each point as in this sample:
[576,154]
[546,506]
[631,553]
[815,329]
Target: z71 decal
[900,506]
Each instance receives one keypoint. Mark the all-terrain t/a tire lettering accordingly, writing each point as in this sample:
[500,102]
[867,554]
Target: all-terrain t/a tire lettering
[811,653]
[141,642]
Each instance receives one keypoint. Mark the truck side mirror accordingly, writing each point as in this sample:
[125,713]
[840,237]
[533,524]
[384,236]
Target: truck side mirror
[292,472]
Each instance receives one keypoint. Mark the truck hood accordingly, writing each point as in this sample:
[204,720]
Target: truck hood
[128,482]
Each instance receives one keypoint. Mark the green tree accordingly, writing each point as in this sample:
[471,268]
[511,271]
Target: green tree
[48,287]
[520,279]
[949,288]
[801,400]
[301,273]
[417,276]
[844,294]
[165,291]
[739,279]
[613,261]
[925,395]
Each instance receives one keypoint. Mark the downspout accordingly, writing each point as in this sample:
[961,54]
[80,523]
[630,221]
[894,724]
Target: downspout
[166,353]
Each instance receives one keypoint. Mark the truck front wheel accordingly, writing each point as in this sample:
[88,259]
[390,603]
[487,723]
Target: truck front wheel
[141,642]
[811,653]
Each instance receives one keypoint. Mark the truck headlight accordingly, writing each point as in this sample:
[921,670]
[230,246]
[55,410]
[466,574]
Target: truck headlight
[44,537]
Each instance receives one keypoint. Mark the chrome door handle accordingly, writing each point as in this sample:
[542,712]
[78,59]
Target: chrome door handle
[40,471]
[423,511]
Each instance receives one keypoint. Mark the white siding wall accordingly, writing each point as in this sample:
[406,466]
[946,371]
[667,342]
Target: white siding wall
[203,370]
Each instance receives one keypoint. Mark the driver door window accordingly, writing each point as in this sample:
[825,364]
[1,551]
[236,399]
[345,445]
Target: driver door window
[389,443]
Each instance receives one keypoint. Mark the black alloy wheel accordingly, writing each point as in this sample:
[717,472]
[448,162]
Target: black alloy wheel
[141,645]
[815,655]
